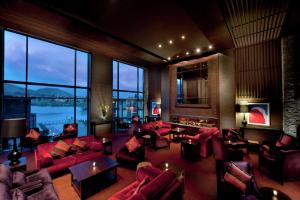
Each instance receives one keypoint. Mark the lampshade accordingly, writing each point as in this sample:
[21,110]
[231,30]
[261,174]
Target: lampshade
[244,108]
[12,128]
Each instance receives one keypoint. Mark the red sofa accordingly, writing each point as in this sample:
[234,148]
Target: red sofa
[159,127]
[54,165]
[163,185]
[204,136]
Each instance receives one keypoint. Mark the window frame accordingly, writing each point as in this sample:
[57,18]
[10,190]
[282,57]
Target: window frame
[26,83]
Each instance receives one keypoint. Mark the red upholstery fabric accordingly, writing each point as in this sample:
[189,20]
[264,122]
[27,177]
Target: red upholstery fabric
[158,184]
[162,131]
[60,164]
[126,192]
[81,144]
[143,182]
[46,160]
[95,146]
[235,181]
[148,171]
[160,128]
[132,144]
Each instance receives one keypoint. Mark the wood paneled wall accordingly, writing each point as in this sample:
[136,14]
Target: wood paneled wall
[258,71]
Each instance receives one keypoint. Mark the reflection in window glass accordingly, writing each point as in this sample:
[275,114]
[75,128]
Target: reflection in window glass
[82,69]
[128,92]
[14,56]
[50,63]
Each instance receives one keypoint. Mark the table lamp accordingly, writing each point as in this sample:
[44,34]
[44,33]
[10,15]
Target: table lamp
[13,128]
[244,109]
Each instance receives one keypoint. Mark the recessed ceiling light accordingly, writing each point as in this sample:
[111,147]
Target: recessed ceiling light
[198,50]
[159,46]
[169,58]
[187,53]
[210,47]
[170,41]
[183,37]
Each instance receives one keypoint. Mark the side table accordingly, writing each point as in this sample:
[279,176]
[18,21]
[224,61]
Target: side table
[178,133]
[107,145]
[18,167]
[190,149]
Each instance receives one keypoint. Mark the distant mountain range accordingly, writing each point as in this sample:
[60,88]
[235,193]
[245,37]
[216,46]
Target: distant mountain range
[14,90]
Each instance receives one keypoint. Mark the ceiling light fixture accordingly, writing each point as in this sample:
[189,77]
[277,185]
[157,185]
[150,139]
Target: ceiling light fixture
[182,37]
[170,41]
[198,50]
[159,46]
[169,58]
[187,53]
[210,47]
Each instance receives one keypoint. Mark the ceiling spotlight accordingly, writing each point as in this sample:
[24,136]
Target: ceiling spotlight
[210,47]
[159,46]
[170,41]
[169,58]
[198,50]
[183,37]
[187,53]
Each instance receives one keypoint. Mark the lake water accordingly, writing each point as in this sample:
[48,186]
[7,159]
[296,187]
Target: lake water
[54,117]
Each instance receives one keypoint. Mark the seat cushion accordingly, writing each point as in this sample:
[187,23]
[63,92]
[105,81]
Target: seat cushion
[239,173]
[18,179]
[6,175]
[18,194]
[95,146]
[158,184]
[42,175]
[149,171]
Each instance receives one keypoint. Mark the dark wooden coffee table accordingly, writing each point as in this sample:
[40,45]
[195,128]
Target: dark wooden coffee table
[271,194]
[177,134]
[89,177]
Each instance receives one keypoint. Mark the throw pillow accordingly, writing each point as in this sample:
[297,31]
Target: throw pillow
[286,140]
[18,179]
[95,146]
[18,195]
[235,181]
[46,160]
[60,149]
[33,134]
[144,182]
[239,173]
[6,176]
[132,144]
[80,144]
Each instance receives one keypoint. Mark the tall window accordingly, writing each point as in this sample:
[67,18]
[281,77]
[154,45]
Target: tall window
[128,91]
[45,82]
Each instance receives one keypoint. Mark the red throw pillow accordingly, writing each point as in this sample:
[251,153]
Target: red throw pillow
[132,144]
[239,173]
[235,181]
[95,146]
[80,144]
[46,160]
[60,149]
[33,134]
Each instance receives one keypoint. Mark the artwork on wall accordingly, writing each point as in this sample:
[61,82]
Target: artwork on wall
[155,108]
[259,114]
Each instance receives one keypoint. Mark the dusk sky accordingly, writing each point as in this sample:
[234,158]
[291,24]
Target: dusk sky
[47,62]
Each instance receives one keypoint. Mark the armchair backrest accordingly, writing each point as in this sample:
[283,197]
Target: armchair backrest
[70,129]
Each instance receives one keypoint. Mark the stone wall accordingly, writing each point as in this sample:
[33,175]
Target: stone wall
[290,48]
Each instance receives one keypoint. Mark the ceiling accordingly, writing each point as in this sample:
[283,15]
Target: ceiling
[145,24]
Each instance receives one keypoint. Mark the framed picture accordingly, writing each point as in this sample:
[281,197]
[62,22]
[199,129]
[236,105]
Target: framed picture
[259,114]
[155,108]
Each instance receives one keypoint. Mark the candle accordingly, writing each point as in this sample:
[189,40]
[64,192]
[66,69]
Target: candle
[167,165]
[190,141]
[275,192]
[94,164]
[103,139]
[177,129]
